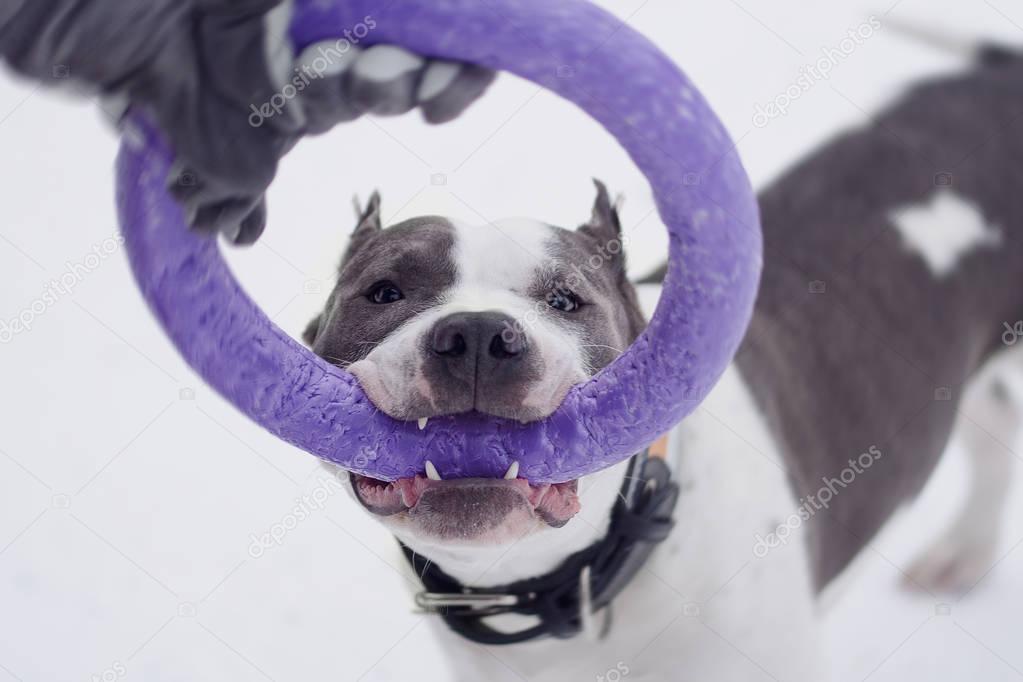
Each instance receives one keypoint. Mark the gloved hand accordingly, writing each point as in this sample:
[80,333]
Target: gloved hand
[220,78]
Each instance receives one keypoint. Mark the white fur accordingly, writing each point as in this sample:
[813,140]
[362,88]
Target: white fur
[988,428]
[535,553]
[705,607]
[708,605]
[501,256]
[496,264]
[944,230]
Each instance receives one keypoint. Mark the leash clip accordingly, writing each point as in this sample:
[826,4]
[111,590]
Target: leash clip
[435,602]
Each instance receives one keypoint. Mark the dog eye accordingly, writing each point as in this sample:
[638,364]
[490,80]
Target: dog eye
[563,300]
[383,293]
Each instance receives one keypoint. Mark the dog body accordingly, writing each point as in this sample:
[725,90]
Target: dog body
[703,607]
[893,265]
[894,259]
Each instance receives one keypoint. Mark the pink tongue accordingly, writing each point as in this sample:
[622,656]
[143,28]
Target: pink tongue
[410,489]
[558,501]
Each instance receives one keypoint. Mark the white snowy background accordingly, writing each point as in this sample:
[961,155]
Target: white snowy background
[129,492]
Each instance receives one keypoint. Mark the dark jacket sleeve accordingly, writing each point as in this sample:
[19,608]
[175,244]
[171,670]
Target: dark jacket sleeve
[202,70]
[195,66]
[98,42]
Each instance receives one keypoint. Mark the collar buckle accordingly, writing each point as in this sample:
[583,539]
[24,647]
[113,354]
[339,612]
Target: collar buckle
[436,602]
[563,602]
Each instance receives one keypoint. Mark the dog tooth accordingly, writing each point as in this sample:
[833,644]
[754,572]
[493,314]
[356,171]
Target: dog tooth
[431,471]
[422,422]
[513,472]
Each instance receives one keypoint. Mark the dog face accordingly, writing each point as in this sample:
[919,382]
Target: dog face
[437,318]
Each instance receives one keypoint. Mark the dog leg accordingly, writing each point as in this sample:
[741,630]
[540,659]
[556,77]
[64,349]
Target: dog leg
[965,553]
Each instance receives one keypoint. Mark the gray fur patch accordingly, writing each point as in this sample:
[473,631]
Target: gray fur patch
[481,357]
[415,255]
[610,319]
[855,342]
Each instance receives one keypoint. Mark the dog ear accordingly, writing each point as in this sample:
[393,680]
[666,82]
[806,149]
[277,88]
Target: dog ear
[312,331]
[369,219]
[605,226]
[369,224]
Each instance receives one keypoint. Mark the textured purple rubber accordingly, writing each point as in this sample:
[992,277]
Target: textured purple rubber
[587,56]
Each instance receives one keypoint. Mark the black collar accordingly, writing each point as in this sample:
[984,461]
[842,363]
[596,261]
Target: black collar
[642,518]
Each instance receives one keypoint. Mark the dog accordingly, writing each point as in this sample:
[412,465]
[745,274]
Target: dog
[887,313]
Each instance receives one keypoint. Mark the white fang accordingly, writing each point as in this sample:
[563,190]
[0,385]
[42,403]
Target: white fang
[431,471]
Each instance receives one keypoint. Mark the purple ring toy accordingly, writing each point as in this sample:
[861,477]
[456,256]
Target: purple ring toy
[641,98]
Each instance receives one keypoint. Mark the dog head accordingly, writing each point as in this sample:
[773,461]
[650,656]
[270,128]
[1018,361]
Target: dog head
[437,318]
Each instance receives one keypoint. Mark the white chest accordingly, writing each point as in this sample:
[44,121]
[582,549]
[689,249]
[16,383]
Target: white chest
[706,606]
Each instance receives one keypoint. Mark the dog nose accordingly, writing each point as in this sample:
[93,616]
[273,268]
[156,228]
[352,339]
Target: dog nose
[477,343]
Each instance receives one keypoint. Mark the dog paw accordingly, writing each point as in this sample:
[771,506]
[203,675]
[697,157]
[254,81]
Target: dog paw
[951,567]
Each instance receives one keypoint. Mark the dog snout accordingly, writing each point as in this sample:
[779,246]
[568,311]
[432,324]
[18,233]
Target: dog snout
[477,345]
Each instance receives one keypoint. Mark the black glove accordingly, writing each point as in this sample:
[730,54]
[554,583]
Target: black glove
[220,79]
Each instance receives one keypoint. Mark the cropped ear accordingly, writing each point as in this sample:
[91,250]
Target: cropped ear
[369,224]
[369,220]
[604,224]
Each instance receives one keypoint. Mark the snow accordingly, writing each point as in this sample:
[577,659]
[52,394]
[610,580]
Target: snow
[133,501]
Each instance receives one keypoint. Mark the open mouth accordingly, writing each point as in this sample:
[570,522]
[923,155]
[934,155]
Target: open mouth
[452,506]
